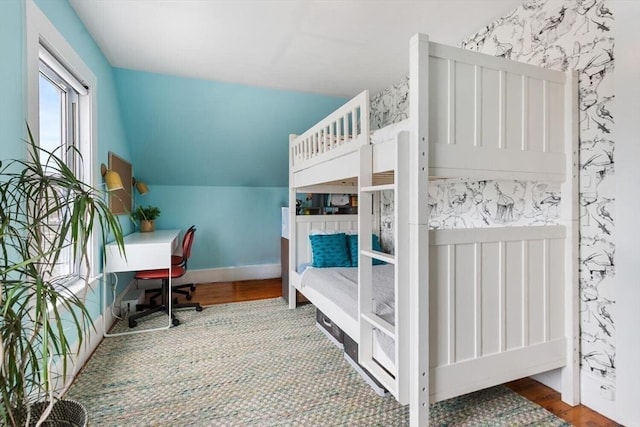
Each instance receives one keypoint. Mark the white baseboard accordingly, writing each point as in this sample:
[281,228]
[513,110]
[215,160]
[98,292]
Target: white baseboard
[212,275]
[229,274]
[598,394]
[77,361]
[90,345]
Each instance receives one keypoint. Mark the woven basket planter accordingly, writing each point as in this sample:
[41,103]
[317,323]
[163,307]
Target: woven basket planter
[147,226]
[65,413]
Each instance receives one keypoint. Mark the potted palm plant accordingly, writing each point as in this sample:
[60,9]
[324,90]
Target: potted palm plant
[46,214]
[147,216]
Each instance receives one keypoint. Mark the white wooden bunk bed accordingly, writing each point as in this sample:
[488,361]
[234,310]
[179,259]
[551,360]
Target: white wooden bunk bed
[473,307]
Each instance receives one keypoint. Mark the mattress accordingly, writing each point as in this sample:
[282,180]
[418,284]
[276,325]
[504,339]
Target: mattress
[340,285]
[389,132]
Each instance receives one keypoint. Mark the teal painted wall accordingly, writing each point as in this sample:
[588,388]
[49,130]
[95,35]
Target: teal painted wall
[186,131]
[236,226]
[216,155]
[12,101]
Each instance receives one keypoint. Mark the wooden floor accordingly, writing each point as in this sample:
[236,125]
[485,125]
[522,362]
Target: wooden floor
[225,292]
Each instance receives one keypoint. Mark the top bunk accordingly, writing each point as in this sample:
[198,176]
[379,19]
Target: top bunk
[484,117]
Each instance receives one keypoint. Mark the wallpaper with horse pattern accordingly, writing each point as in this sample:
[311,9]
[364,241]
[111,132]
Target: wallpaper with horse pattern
[563,35]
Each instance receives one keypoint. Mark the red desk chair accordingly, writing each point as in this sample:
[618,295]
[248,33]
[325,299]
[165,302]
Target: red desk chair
[186,289]
[163,274]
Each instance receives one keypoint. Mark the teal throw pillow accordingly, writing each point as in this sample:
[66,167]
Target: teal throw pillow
[353,249]
[330,250]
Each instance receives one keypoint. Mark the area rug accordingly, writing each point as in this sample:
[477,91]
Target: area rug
[257,364]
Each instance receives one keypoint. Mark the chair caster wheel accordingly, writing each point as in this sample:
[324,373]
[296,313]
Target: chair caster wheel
[132,323]
[189,297]
[175,322]
[199,308]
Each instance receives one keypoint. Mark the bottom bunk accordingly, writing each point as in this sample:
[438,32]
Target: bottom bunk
[496,304]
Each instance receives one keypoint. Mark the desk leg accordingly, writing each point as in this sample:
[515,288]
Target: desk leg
[138,331]
[169,296]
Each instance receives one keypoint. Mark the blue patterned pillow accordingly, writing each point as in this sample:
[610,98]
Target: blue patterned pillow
[330,250]
[353,249]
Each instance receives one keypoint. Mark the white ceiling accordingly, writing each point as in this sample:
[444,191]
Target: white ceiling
[332,47]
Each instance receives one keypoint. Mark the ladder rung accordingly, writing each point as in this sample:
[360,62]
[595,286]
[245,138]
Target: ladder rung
[379,323]
[384,377]
[380,255]
[374,188]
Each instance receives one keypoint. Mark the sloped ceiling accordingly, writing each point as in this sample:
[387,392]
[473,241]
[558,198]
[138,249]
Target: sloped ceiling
[331,47]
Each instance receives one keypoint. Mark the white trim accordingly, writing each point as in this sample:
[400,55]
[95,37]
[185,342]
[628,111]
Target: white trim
[627,226]
[61,70]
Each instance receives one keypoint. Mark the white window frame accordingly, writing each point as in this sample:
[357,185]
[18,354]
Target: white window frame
[41,32]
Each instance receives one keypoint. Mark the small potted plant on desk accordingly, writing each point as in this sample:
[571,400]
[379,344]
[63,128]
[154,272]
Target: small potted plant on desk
[47,217]
[146,215]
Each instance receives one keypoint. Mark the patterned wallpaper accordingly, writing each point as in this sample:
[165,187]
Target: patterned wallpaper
[481,204]
[563,35]
[390,106]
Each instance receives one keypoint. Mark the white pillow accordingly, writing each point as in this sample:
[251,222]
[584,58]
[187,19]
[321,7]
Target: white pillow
[319,231]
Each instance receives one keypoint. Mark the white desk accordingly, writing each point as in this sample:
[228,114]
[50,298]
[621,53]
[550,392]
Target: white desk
[143,251]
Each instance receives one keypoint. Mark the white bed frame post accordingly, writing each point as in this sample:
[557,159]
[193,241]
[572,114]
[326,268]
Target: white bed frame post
[293,238]
[418,216]
[570,215]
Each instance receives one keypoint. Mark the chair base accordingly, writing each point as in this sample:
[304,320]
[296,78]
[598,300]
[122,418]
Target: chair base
[179,289]
[150,309]
[133,319]
[195,305]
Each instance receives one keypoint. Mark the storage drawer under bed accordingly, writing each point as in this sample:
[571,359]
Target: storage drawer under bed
[351,352]
[350,348]
[329,326]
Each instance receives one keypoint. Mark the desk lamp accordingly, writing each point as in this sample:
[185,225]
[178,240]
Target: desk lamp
[140,186]
[111,178]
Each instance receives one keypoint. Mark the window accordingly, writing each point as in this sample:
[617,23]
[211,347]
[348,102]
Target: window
[58,110]
[62,115]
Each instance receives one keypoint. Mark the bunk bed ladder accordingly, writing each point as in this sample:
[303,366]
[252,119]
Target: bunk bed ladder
[369,194]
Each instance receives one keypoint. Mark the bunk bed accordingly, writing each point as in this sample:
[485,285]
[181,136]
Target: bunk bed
[472,308]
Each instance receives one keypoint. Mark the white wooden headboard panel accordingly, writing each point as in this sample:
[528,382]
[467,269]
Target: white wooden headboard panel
[306,224]
[495,294]
[512,274]
[491,114]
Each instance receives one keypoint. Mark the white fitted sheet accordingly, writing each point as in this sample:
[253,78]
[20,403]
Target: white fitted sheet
[340,285]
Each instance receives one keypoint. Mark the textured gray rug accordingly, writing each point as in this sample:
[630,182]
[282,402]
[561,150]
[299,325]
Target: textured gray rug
[257,364]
